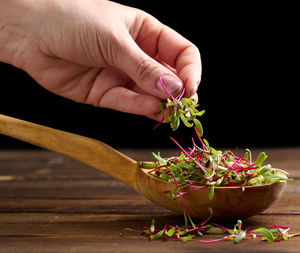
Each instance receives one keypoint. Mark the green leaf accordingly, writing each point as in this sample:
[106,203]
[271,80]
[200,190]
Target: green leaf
[199,114]
[146,165]
[263,170]
[219,181]
[187,101]
[157,235]
[211,192]
[158,158]
[279,176]
[285,238]
[187,238]
[162,107]
[147,232]
[170,232]
[249,154]
[198,126]
[180,233]
[152,227]
[174,169]
[266,233]
[275,178]
[184,120]
[239,237]
[260,159]
[206,143]
[175,123]
[214,230]
[194,112]
[246,156]
[237,227]
[185,165]
[164,176]
[181,157]
[256,180]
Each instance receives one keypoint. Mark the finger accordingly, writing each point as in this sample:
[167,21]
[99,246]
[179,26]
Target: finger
[173,49]
[144,70]
[115,90]
[183,56]
[158,116]
[125,100]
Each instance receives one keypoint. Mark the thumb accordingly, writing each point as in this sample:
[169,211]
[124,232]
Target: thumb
[147,72]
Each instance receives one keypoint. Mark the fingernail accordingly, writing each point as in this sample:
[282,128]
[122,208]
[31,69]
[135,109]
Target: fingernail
[171,83]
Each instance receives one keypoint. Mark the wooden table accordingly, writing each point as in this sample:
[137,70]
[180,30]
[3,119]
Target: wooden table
[50,203]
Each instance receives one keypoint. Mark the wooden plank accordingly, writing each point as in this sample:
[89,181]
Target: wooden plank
[101,233]
[39,164]
[102,206]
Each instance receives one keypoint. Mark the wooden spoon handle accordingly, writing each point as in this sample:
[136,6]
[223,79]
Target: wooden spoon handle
[86,150]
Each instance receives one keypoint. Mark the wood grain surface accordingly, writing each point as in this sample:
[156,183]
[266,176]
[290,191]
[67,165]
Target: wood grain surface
[50,203]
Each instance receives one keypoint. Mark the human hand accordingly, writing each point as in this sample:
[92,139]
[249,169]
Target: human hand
[98,52]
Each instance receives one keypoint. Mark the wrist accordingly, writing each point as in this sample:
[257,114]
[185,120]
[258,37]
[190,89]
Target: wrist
[18,20]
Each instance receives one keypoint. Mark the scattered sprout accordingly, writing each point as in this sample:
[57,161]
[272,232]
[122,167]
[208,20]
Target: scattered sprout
[270,234]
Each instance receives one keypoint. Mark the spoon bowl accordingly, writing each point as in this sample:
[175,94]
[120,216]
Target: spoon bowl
[228,203]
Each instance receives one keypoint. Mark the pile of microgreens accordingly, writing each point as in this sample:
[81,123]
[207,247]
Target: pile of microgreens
[203,166]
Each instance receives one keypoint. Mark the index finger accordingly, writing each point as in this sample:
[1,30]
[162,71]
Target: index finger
[183,56]
[172,48]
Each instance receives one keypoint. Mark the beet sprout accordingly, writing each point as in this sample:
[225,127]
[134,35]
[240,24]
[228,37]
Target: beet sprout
[187,154]
[166,90]
[181,110]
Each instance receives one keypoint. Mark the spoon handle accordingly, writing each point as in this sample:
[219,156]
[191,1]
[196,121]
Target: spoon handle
[86,150]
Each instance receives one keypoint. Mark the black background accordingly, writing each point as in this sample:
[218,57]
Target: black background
[249,86]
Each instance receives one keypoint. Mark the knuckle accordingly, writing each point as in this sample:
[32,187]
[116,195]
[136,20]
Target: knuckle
[113,48]
[145,69]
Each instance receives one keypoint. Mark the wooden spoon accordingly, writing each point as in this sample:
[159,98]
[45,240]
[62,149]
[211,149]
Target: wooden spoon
[228,202]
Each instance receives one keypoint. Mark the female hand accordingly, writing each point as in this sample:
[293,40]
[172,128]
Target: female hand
[98,52]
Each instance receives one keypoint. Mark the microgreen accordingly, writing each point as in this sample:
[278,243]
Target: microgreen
[205,166]
[180,110]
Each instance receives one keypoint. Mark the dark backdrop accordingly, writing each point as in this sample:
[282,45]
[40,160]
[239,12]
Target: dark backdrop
[249,88]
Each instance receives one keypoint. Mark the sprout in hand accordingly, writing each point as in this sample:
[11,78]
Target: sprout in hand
[181,109]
